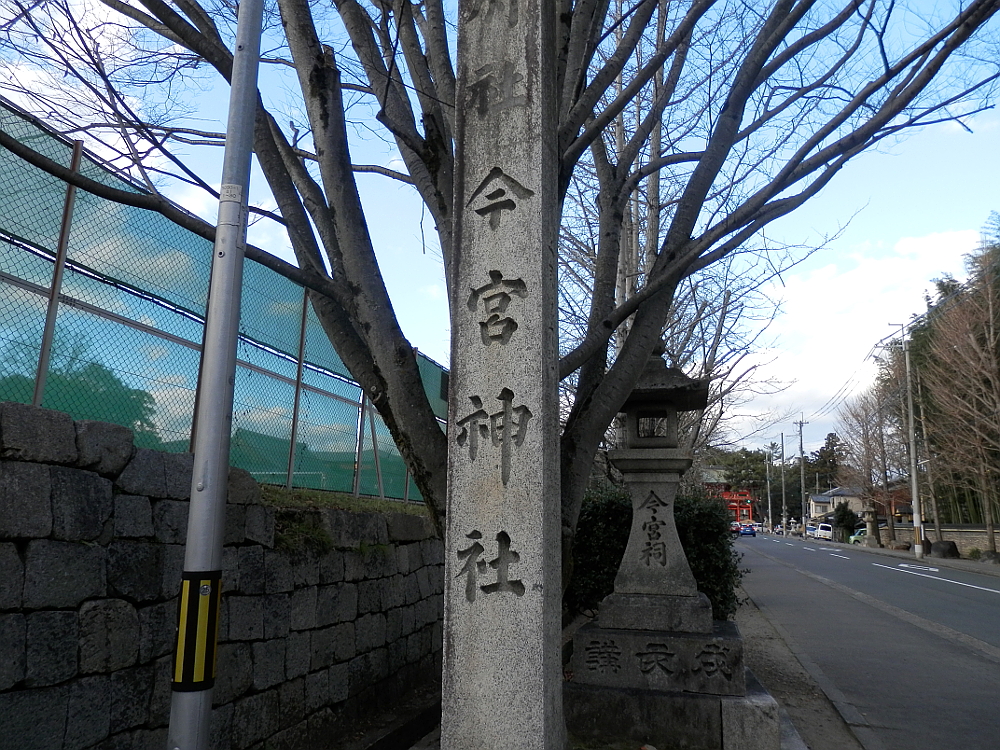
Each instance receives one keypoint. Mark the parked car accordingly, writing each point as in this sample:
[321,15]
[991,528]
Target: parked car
[859,536]
[747,529]
[811,531]
[779,529]
[734,528]
[824,531]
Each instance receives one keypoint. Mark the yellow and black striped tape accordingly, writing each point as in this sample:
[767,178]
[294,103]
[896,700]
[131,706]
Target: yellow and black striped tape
[197,631]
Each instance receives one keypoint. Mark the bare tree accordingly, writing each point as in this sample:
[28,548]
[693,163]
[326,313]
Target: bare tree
[726,115]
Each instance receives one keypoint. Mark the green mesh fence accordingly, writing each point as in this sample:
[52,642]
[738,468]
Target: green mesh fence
[129,326]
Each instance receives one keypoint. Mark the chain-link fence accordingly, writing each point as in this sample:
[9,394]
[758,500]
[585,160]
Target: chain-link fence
[128,325]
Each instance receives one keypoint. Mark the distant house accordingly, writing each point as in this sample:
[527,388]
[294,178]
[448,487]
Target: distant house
[819,506]
[838,495]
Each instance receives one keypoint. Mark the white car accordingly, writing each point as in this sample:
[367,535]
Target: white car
[824,531]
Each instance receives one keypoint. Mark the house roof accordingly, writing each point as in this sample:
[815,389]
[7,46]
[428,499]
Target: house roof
[843,492]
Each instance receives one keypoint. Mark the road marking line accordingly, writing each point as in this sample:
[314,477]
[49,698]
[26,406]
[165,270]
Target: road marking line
[808,548]
[918,567]
[789,544]
[840,556]
[829,549]
[937,578]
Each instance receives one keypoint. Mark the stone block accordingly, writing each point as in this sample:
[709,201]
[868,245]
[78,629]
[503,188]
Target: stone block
[135,569]
[236,525]
[173,567]
[344,641]
[256,718]
[252,571]
[42,436]
[133,516]
[109,635]
[81,503]
[339,681]
[177,471]
[220,731]
[62,574]
[324,648]
[145,474]
[103,447]
[277,574]
[428,610]
[707,663]
[234,672]
[689,614]
[131,692]
[337,603]
[408,558]
[331,567]
[316,689]
[397,655]
[260,525]
[11,577]
[12,646]
[34,719]
[354,565]
[370,596]
[298,654]
[348,530]
[246,618]
[380,561]
[432,551]
[407,527]
[619,717]
[393,624]
[157,630]
[424,582]
[88,715]
[411,589]
[51,640]
[268,663]
[159,700]
[408,619]
[170,520]
[944,549]
[302,608]
[370,632]
[292,699]
[243,488]
[751,722]
[25,507]
[276,616]
[305,569]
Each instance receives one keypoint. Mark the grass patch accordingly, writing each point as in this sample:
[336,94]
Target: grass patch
[307,499]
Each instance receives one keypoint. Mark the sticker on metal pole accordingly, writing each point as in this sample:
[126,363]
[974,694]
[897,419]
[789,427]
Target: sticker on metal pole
[197,631]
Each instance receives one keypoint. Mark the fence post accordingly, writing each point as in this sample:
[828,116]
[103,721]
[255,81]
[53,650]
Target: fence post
[298,389]
[360,446]
[378,465]
[57,276]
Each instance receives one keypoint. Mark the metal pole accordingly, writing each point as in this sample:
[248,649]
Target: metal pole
[197,632]
[784,500]
[298,389]
[378,465]
[770,504]
[57,276]
[360,449]
[802,475]
[918,526]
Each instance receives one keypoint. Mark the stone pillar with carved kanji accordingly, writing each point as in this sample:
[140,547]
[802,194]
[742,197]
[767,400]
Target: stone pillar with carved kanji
[656,668]
[501,686]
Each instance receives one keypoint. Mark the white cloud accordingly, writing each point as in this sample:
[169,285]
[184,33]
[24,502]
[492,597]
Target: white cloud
[837,308]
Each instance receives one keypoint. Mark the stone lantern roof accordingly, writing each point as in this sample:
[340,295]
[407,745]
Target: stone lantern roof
[668,387]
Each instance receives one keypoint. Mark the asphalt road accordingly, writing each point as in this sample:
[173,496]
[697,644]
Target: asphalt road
[908,651]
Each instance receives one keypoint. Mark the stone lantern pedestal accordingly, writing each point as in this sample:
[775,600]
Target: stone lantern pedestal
[655,668]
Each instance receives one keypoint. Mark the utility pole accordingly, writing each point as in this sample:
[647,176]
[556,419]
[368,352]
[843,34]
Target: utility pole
[193,676]
[784,501]
[918,524]
[767,474]
[802,475]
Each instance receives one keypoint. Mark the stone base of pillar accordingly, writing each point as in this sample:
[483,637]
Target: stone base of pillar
[666,689]
[690,614]
[620,718]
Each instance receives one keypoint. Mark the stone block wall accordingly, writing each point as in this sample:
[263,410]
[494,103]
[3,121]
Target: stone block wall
[91,553]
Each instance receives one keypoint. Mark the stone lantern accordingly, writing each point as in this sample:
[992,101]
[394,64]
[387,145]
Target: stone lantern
[654,588]
[655,668]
